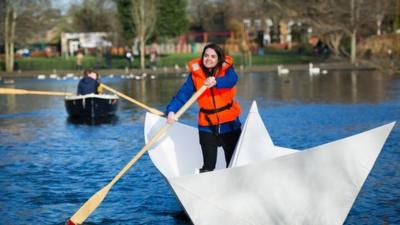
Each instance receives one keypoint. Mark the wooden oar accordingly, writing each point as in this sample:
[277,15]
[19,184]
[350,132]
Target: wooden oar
[90,205]
[152,110]
[12,91]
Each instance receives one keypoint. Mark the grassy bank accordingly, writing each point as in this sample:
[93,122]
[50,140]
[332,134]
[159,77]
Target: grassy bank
[62,63]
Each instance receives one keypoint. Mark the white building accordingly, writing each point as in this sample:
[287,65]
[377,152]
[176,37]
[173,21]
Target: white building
[71,42]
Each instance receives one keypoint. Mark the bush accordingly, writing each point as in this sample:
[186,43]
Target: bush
[119,62]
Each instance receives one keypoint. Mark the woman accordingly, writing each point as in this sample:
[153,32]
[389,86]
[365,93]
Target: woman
[89,83]
[218,119]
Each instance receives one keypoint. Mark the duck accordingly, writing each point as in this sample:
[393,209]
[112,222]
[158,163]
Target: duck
[8,81]
[53,76]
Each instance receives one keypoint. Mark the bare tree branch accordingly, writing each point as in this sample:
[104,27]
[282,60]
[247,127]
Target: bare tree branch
[144,14]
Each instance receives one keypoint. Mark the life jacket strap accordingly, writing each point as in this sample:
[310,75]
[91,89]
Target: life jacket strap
[213,111]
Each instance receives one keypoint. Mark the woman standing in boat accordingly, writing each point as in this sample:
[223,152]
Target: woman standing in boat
[89,83]
[218,118]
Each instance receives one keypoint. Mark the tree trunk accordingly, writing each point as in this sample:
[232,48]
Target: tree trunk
[333,41]
[9,36]
[378,30]
[144,16]
[142,52]
[353,21]
[353,47]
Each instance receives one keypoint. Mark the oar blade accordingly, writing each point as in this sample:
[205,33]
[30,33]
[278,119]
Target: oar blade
[13,91]
[8,91]
[89,206]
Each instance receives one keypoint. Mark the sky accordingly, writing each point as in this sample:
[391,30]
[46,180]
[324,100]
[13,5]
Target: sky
[64,4]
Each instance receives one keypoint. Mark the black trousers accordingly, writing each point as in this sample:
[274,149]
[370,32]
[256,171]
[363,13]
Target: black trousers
[210,142]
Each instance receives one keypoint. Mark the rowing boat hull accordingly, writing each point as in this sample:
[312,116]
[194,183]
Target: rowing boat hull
[91,105]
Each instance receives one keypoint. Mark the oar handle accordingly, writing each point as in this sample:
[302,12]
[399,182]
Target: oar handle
[194,97]
[12,91]
[90,205]
[152,110]
[158,135]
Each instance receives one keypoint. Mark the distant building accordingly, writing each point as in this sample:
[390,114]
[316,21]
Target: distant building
[71,42]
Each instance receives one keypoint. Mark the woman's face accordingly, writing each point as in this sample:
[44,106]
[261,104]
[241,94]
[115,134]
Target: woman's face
[210,58]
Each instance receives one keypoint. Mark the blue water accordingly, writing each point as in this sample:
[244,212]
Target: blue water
[50,165]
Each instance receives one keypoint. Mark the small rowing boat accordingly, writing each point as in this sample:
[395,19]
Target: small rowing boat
[91,105]
[266,184]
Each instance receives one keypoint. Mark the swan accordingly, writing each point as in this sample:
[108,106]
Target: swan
[313,70]
[282,70]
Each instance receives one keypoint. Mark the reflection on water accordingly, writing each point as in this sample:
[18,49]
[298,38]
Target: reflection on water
[93,120]
[335,87]
[345,87]
[50,164]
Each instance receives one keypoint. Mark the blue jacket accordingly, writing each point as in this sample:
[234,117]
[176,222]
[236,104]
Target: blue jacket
[87,85]
[187,90]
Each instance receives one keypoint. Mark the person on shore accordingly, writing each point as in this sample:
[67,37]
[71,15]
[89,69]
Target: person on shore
[99,57]
[153,59]
[218,117]
[129,59]
[79,60]
[108,58]
[90,83]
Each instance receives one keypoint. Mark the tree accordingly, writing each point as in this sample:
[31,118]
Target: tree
[172,18]
[333,20]
[125,19]
[396,23]
[144,14]
[24,19]
[9,35]
[92,16]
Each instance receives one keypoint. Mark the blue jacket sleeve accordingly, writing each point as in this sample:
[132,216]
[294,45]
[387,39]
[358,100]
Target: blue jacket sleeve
[229,80]
[182,96]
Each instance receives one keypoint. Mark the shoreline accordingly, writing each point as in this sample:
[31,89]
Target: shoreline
[170,70]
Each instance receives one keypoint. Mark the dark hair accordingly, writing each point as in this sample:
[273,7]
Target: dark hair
[221,58]
[86,72]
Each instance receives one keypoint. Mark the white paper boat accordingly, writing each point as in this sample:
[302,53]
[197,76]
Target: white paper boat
[266,184]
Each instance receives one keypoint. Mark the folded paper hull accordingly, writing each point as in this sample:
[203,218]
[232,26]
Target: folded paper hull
[266,184]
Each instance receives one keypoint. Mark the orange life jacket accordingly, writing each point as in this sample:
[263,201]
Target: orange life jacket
[217,105]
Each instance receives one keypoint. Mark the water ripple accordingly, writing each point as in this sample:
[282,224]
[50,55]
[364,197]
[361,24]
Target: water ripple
[50,165]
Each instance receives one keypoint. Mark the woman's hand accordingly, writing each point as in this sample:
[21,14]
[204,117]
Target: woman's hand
[210,82]
[171,118]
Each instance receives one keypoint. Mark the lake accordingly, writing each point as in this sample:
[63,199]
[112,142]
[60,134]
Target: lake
[50,165]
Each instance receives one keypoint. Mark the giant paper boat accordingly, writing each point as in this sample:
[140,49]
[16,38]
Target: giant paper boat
[265,184]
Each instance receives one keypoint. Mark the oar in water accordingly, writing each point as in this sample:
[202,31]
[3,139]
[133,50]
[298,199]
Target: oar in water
[12,91]
[152,110]
[90,205]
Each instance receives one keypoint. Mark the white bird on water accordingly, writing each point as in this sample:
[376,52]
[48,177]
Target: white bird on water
[313,70]
[282,70]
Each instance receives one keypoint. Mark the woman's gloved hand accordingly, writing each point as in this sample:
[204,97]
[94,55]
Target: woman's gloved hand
[171,118]
[210,82]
